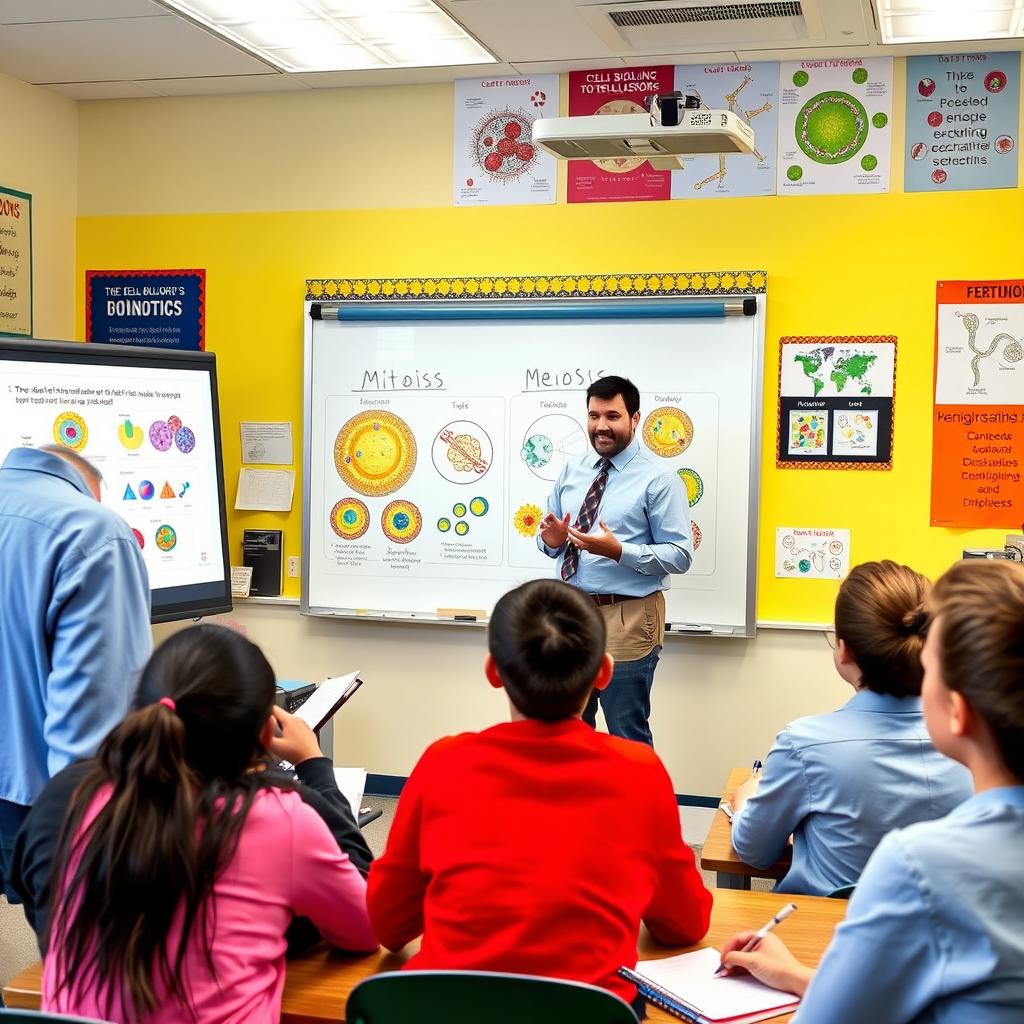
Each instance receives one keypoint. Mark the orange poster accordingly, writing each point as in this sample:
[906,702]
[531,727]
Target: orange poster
[978,426]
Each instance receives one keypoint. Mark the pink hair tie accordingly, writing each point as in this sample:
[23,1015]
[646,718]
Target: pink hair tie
[168,703]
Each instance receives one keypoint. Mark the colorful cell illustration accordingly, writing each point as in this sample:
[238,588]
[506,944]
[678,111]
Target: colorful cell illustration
[444,524]
[527,520]
[129,494]
[501,144]
[667,431]
[693,484]
[550,442]
[831,127]
[350,518]
[184,440]
[161,437]
[462,528]
[184,487]
[174,422]
[462,452]
[166,537]
[1014,351]
[167,491]
[458,510]
[139,537]
[146,490]
[697,535]
[70,430]
[479,506]
[401,521]
[375,452]
[130,435]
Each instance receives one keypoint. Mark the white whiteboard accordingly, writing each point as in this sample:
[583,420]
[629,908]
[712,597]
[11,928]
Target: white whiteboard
[463,399]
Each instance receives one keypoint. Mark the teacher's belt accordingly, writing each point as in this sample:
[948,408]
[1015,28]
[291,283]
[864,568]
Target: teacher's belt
[605,599]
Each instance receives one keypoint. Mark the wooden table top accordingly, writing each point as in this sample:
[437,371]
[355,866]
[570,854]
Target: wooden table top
[718,854]
[319,983]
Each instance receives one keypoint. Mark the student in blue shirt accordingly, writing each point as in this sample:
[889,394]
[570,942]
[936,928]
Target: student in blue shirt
[840,782]
[935,928]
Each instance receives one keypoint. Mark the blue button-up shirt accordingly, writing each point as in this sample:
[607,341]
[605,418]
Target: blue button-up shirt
[74,620]
[644,506]
[839,782]
[935,929]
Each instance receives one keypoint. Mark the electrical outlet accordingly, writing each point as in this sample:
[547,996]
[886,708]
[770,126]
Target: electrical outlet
[293,565]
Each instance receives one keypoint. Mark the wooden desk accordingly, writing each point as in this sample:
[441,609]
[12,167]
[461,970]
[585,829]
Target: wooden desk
[719,856]
[319,983]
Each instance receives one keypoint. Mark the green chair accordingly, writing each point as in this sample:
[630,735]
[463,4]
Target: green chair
[468,997]
[844,892]
[38,1017]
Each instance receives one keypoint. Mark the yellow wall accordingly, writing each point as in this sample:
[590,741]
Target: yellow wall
[39,155]
[837,265]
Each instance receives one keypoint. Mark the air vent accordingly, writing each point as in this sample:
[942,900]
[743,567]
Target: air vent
[704,15]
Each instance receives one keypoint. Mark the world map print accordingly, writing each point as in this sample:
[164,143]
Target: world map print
[847,370]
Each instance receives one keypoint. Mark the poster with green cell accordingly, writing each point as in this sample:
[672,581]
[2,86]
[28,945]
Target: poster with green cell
[962,122]
[806,553]
[835,131]
[751,92]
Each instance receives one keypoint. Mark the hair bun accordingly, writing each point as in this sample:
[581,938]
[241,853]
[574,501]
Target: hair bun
[916,621]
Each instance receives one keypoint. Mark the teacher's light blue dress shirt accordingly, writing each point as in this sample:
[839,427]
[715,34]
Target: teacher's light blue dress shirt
[74,620]
[935,929]
[840,782]
[644,506]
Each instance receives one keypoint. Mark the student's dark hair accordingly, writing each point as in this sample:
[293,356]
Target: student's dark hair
[607,388]
[547,640]
[181,785]
[882,615]
[980,608]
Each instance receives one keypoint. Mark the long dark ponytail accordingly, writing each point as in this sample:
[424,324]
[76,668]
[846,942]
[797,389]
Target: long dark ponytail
[180,782]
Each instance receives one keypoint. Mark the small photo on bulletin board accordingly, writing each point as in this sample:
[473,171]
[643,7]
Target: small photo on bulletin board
[836,402]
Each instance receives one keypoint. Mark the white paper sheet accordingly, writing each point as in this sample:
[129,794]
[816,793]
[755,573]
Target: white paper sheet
[267,443]
[352,783]
[241,580]
[320,705]
[265,490]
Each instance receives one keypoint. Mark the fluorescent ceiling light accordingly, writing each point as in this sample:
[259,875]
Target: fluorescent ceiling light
[338,35]
[932,21]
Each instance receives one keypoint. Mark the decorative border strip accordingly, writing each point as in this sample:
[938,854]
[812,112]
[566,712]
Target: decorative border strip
[570,286]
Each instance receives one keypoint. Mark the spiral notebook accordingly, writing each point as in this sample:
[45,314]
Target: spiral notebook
[685,986]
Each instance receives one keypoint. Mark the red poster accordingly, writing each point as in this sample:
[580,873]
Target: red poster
[617,91]
[978,417]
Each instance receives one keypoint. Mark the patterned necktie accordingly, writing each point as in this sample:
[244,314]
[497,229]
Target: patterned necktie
[585,520]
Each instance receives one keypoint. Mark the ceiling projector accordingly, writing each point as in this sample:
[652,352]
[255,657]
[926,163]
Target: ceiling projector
[674,129]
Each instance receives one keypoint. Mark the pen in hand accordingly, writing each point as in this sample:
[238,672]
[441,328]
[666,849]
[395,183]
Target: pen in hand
[755,939]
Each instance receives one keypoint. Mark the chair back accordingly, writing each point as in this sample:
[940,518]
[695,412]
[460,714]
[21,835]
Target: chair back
[468,997]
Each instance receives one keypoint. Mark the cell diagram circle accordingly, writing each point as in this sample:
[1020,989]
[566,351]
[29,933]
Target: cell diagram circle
[693,484]
[401,521]
[697,535]
[479,506]
[139,537]
[146,489]
[550,442]
[165,537]
[462,452]
[527,520]
[668,431]
[831,127]
[375,452]
[161,437]
[69,429]
[184,440]
[459,509]
[462,528]
[350,518]
[620,164]
[174,422]
[131,435]
[502,144]
[444,524]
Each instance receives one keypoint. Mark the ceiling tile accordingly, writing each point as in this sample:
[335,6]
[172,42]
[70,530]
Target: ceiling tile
[226,85]
[18,12]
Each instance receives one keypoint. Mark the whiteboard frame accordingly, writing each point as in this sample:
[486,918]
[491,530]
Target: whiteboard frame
[509,297]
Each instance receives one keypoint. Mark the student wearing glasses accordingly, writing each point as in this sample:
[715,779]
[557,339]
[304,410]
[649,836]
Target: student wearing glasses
[840,782]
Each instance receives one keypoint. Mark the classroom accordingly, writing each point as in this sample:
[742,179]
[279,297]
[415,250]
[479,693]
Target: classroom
[147,147]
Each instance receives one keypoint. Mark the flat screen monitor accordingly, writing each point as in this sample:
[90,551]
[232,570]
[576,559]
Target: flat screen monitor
[148,420]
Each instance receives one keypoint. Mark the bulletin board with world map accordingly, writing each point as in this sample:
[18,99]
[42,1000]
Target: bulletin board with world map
[836,402]
[433,439]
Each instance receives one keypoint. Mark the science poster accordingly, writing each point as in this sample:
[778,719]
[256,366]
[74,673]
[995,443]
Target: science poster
[962,125]
[978,416]
[751,92]
[617,91]
[161,308]
[15,262]
[495,161]
[835,131]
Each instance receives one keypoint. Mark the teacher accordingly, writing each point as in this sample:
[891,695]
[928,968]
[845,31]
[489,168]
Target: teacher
[629,530]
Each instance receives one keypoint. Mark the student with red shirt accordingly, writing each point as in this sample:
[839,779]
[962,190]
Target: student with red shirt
[539,845]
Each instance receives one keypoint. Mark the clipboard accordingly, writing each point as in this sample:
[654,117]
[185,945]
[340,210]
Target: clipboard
[327,699]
